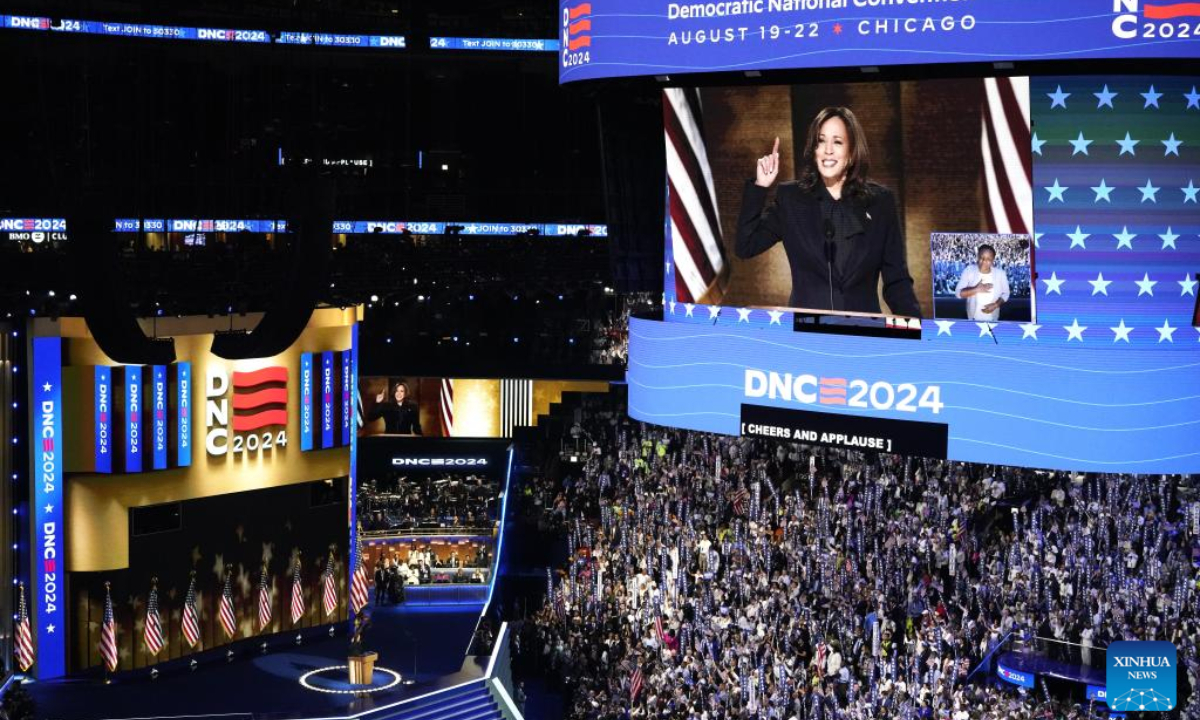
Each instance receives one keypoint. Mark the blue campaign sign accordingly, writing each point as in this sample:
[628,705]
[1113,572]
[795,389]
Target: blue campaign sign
[103,391]
[158,420]
[183,426]
[1019,678]
[615,38]
[468,227]
[1003,402]
[347,390]
[327,399]
[48,572]
[306,401]
[1097,692]
[134,433]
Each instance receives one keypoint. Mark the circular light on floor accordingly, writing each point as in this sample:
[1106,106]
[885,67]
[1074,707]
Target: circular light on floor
[353,690]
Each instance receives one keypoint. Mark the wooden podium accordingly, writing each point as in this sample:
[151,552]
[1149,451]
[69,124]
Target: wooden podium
[362,668]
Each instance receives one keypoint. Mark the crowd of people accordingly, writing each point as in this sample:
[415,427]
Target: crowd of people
[427,502]
[713,578]
[610,333]
[952,253]
[397,569]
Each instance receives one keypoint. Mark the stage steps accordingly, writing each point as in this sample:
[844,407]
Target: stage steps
[470,702]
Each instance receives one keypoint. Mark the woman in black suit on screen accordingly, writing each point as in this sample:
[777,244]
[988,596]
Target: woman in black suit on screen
[841,231]
[401,416]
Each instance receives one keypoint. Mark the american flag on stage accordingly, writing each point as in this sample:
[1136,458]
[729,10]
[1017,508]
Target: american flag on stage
[358,582]
[24,635]
[225,610]
[635,684]
[153,633]
[698,252]
[328,587]
[191,617]
[108,632]
[447,407]
[1007,160]
[264,599]
[297,594]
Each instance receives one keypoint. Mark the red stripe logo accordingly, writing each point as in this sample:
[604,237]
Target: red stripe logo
[260,398]
[1174,10]
[580,10]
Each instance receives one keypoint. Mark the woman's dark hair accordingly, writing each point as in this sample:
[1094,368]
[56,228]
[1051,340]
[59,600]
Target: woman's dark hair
[986,248]
[859,166]
[407,391]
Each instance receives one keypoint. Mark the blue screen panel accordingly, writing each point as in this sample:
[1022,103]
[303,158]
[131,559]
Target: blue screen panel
[494,44]
[327,404]
[183,426]
[103,447]
[307,423]
[48,598]
[158,418]
[135,435]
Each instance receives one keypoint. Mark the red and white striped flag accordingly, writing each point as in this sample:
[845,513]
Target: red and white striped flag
[108,632]
[739,498]
[264,600]
[297,594]
[701,270]
[635,684]
[25,654]
[329,598]
[153,633]
[447,407]
[358,582]
[1007,155]
[191,617]
[225,610]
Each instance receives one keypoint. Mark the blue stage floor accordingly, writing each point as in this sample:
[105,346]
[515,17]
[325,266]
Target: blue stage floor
[1036,664]
[435,637]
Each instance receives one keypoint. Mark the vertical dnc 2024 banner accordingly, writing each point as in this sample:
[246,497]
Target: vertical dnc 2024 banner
[621,38]
[48,568]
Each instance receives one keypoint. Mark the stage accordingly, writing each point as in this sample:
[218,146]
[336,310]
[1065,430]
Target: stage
[433,638]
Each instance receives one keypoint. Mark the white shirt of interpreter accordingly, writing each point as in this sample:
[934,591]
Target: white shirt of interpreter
[1000,290]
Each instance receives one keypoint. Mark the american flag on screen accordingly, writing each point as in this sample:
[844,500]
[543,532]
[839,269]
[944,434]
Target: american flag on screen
[1007,161]
[697,250]
[1117,197]
[108,633]
[329,598]
[25,654]
[297,593]
[153,626]
[191,616]
[264,599]
[447,407]
[225,610]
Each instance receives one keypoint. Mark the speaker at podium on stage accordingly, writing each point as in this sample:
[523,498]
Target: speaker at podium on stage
[361,661]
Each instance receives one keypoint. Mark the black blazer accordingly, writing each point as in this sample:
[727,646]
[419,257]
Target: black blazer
[398,419]
[795,218]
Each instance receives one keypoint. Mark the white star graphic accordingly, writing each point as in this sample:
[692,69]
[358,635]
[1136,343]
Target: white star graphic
[1145,285]
[50,629]
[46,387]
[1056,191]
[1100,285]
[672,307]
[668,266]
[1037,144]
[1189,192]
[1029,330]
[743,315]
[1149,192]
[48,509]
[1166,332]
[1128,145]
[1075,330]
[1080,144]
[1053,284]
[985,328]
[1103,191]
[1172,146]
[1037,239]
[1193,99]
[689,308]
[714,311]
[944,327]
[1169,239]
[1078,237]
[1188,286]
[1125,239]
[1122,331]
[1059,98]
[775,316]
[1105,97]
[1151,98]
